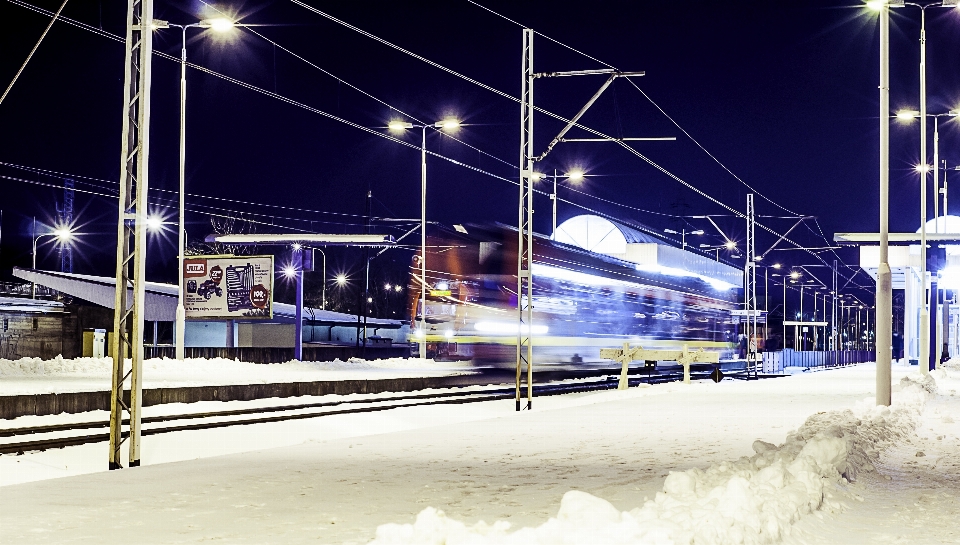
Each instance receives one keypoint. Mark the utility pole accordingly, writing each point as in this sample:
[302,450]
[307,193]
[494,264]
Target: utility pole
[131,230]
[750,293]
[528,176]
[525,223]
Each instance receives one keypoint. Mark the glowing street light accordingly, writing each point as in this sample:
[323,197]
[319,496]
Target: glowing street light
[341,280]
[446,124]
[63,236]
[154,223]
[219,24]
[683,235]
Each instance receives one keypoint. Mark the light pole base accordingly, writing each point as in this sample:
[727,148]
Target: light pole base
[179,332]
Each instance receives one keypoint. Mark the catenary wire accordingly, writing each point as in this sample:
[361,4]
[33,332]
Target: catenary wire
[32,51]
[396,140]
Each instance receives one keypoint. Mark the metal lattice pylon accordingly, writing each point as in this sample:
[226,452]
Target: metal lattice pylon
[750,293]
[525,224]
[66,220]
[131,231]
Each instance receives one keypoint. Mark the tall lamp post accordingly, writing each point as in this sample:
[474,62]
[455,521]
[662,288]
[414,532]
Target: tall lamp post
[400,126]
[63,236]
[574,176]
[883,6]
[218,24]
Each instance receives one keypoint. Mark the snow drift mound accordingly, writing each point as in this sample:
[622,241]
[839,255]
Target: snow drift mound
[751,501]
[26,367]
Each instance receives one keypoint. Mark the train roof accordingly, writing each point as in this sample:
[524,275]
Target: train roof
[560,256]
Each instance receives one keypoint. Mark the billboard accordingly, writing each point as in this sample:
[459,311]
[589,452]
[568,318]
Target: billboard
[228,286]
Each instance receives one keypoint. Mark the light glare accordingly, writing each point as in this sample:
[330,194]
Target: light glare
[448,124]
[219,24]
[154,223]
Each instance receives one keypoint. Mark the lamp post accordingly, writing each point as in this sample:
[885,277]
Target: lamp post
[924,309]
[729,245]
[323,297]
[218,24]
[573,176]
[399,126]
[683,235]
[923,168]
[63,235]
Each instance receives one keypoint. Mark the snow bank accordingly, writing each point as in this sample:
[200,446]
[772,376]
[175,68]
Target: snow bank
[35,375]
[752,500]
[193,366]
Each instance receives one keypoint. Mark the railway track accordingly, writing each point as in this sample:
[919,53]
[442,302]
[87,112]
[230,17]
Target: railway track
[155,425]
[64,435]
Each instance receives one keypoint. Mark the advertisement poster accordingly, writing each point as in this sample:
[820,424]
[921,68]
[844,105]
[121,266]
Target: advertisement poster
[218,286]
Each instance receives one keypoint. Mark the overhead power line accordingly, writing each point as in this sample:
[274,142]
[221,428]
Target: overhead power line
[32,51]
[397,140]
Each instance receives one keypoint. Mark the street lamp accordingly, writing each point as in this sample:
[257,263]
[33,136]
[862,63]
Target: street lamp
[218,24]
[908,116]
[448,124]
[884,84]
[575,176]
[63,235]
[729,245]
[683,235]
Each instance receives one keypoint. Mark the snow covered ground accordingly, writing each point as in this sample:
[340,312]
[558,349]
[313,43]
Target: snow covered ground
[37,376]
[716,463]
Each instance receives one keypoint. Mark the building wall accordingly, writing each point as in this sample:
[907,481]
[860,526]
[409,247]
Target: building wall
[38,335]
[266,335]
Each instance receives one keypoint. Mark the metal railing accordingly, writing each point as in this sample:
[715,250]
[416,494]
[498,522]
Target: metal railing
[775,362]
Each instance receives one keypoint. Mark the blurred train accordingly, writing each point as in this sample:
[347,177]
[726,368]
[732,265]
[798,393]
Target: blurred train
[582,301]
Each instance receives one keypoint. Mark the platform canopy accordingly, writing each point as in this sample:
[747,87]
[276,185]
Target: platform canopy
[942,229]
[315,238]
[904,251]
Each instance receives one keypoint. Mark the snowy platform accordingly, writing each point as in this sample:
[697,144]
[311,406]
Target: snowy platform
[626,455]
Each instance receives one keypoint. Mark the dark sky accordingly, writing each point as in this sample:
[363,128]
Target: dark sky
[782,93]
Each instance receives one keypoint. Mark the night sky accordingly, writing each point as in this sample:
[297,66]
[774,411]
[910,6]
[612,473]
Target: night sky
[784,94]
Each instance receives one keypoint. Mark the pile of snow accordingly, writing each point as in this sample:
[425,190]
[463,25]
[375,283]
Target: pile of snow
[752,500]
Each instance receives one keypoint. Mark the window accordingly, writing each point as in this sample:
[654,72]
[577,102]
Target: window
[36,324]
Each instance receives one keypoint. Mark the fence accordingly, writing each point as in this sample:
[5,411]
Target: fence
[775,362]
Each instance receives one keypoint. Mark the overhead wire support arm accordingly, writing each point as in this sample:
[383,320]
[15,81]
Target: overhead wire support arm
[612,71]
[636,139]
[573,121]
[784,236]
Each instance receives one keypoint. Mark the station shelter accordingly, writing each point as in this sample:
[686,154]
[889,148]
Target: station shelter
[943,273]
